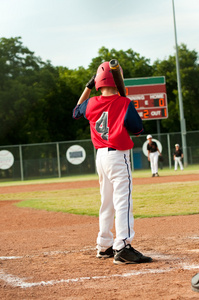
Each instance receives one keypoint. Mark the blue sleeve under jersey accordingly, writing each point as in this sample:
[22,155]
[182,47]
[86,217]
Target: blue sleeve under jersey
[132,120]
[80,110]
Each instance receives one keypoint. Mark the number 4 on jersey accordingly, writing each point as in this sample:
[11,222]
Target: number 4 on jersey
[102,126]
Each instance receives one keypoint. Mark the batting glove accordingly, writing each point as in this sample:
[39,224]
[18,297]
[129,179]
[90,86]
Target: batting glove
[91,82]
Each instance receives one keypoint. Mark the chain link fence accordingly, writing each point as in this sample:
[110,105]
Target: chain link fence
[61,159]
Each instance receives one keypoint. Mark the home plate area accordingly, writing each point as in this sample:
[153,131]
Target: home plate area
[52,255]
[173,264]
[78,273]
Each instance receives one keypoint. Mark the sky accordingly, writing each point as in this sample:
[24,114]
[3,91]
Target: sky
[70,33]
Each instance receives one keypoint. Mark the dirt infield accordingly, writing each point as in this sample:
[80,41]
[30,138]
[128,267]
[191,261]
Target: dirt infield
[92,183]
[49,255]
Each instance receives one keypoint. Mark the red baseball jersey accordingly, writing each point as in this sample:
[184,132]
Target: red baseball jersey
[110,119]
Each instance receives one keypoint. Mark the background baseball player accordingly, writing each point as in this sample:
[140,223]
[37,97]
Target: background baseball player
[110,117]
[153,153]
[177,156]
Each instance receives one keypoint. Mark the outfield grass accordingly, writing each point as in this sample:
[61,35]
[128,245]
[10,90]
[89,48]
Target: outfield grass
[150,200]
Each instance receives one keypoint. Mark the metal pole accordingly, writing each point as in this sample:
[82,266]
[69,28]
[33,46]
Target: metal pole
[158,129]
[95,159]
[21,162]
[182,119]
[132,161]
[58,161]
[169,150]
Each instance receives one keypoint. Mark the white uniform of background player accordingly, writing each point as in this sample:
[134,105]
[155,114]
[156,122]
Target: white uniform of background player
[153,153]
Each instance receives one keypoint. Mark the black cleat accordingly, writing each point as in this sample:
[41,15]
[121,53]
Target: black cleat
[128,255]
[105,254]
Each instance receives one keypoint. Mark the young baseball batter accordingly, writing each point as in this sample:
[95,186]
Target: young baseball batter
[153,153]
[177,156]
[110,117]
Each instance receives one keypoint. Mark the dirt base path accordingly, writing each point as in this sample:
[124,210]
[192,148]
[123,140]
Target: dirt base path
[49,255]
[92,183]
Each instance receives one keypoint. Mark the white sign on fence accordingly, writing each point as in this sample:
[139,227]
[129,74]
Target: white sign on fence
[76,154]
[6,159]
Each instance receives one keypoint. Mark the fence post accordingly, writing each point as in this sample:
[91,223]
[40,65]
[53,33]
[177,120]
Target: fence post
[132,162]
[169,149]
[21,162]
[58,161]
[94,153]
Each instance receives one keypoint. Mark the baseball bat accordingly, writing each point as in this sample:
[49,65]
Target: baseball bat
[117,76]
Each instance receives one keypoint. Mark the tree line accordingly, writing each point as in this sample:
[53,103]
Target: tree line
[37,98]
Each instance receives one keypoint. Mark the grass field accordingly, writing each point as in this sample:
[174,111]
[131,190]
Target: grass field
[150,200]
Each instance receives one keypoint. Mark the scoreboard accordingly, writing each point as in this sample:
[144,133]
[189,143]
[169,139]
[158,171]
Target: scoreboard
[149,96]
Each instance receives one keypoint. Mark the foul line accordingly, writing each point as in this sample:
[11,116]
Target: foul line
[15,281]
[88,248]
[47,253]
[10,257]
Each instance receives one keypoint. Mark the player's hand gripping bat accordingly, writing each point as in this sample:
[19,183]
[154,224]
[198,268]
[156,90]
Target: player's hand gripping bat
[117,76]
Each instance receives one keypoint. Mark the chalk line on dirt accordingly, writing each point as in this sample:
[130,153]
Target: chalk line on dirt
[57,252]
[16,281]
[10,257]
[193,237]
[158,256]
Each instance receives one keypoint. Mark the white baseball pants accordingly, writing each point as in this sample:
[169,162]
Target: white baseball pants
[154,162]
[178,161]
[115,180]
